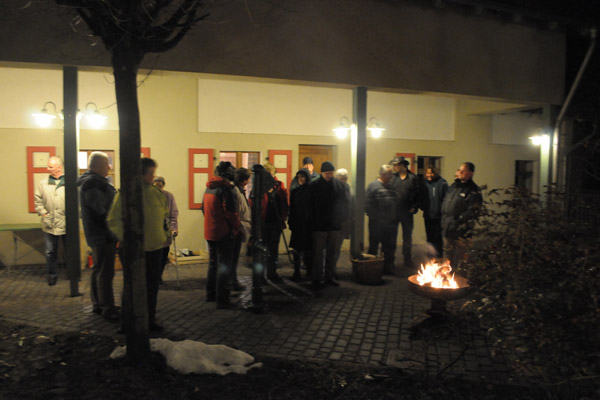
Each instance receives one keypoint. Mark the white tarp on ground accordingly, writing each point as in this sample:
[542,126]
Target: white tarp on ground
[189,356]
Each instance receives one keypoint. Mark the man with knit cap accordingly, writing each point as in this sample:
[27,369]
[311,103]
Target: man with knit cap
[329,207]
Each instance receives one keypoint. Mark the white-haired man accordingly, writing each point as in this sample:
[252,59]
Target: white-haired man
[50,205]
[96,196]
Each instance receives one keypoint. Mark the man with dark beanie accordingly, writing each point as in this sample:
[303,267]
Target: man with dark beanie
[329,207]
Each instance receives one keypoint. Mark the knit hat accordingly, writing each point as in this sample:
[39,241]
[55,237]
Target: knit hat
[307,160]
[225,170]
[327,166]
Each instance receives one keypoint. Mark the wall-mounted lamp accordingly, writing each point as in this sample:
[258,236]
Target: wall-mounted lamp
[342,130]
[374,128]
[539,139]
[94,117]
[44,118]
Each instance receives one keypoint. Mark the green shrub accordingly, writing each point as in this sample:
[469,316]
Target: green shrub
[535,276]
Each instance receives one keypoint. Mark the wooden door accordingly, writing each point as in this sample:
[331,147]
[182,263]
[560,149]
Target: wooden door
[319,154]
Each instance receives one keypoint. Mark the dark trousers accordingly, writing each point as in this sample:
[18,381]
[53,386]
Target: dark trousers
[52,252]
[101,278]
[219,269]
[164,260]
[272,234]
[384,233]
[153,271]
[433,229]
[324,249]
[306,256]
[407,222]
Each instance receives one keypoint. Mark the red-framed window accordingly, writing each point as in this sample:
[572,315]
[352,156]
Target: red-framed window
[200,169]
[145,152]
[282,160]
[37,169]
[412,159]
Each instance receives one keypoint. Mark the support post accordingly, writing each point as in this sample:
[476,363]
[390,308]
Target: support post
[359,156]
[71,144]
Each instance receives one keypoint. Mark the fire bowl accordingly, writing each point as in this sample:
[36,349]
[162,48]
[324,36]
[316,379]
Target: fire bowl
[432,293]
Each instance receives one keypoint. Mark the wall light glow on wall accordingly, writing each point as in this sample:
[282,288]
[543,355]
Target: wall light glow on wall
[539,139]
[374,128]
[342,130]
[44,118]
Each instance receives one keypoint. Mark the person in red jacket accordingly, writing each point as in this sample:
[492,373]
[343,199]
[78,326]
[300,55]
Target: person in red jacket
[221,226]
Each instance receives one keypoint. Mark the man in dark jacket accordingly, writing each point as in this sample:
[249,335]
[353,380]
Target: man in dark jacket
[460,210]
[381,205]
[221,225]
[406,185]
[329,207]
[96,196]
[436,188]
[299,224]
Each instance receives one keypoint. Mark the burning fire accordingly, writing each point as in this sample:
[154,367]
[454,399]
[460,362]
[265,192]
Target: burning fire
[437,275]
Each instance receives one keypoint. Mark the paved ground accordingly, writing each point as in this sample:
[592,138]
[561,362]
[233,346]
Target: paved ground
[353,323]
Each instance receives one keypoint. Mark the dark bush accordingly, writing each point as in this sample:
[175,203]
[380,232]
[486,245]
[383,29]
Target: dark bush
[535,275]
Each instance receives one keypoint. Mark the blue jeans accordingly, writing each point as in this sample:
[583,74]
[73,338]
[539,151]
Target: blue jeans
[52,252]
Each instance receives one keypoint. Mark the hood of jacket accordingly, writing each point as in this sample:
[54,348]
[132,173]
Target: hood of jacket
[306,174]
[216,182]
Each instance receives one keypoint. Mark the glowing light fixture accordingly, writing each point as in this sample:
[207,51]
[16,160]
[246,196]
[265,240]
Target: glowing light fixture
[94,117]
[374,128]
[342,130]
[539,139]
[44,118]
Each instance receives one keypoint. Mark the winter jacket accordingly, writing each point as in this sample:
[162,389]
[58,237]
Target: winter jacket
[221,217]
[299,218]
[329,205]
[173,215]
[156,214]
[243,209]
[96,196]
[460,209]
[50,200]
[434,193]
[274,205]
[381,202]
[409,193]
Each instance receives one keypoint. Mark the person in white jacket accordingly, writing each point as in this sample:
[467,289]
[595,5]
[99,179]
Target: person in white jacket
[241,179]
[50,205]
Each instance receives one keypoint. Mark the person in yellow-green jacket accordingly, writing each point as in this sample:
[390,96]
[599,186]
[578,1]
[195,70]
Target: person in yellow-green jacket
[156,232]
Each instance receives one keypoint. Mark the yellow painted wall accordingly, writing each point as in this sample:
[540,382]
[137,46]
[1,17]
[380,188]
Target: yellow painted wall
[169,108]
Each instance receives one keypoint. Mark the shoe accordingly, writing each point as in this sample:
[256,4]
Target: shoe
[154,327]
[331,282]
[275,279]
[111,315]
[97,310]
[296,277]
[52,280]
[238,287]
[316,285]
[210,299]
[225,306]
[336,277]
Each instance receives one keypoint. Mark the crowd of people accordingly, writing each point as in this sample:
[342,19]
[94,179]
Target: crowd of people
[318,211]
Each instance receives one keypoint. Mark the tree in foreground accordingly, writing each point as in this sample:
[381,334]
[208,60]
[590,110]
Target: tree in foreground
[129,30]
[535,271]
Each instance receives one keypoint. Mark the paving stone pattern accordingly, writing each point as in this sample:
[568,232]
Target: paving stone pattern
[370,325]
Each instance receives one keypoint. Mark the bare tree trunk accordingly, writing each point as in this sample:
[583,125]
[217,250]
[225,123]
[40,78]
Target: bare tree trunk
[126,61]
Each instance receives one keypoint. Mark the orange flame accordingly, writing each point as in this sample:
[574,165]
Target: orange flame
[437,275]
